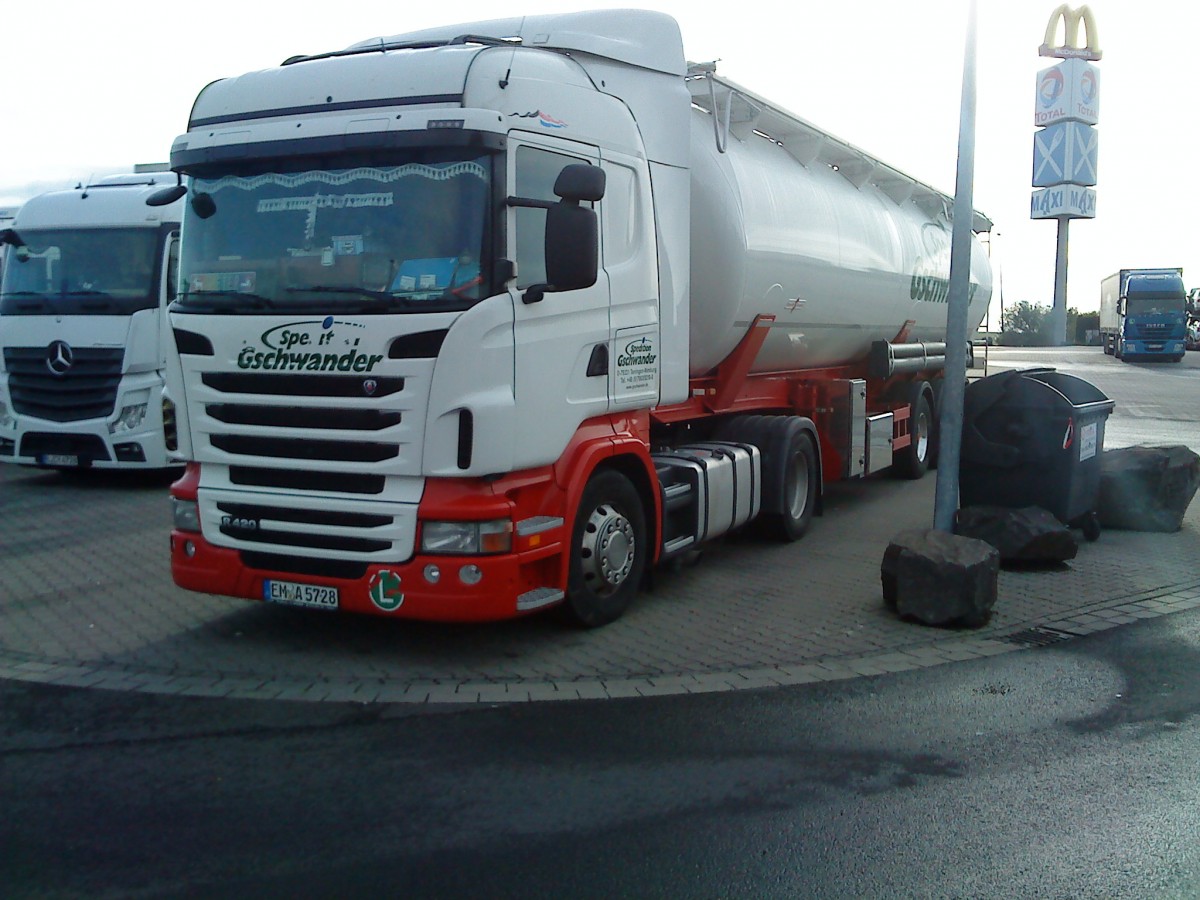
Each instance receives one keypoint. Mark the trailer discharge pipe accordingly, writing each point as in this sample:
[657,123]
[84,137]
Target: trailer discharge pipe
[889,359]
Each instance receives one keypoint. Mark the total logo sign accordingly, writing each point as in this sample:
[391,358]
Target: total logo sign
[1088,89]
[1050,87]
[1068,92]
[384,590]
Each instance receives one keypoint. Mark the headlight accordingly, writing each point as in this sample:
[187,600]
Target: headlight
[186,513]
[458,538]
[131,418]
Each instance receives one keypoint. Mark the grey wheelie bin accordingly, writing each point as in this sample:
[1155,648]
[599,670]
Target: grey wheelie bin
[1033,437]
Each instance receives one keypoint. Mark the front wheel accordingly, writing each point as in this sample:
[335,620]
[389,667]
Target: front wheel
[609,549]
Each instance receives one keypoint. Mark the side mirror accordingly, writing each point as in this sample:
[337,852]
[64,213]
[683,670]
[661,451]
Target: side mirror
[580,182]
[572,247]
[166,196]
[572,233]
[203,205]
[10,237]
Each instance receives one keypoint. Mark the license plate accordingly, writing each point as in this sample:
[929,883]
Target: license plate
[1154,347]
[294,594]
[58,459]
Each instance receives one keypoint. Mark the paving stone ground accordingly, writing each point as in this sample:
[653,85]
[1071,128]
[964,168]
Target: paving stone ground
[86,599]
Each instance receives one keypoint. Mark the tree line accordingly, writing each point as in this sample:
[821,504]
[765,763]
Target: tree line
[1025,324]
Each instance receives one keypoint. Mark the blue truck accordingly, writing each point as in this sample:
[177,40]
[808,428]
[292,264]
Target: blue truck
[1143,314]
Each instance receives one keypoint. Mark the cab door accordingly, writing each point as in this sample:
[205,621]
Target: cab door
[561,341]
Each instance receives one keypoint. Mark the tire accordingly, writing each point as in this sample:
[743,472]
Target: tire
[1107,344]
[913,461]
[789,480]
[1091,526]
[609,549]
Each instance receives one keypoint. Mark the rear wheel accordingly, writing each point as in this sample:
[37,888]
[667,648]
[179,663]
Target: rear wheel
[790,471]
[913,460]
[790,478]
[609,549]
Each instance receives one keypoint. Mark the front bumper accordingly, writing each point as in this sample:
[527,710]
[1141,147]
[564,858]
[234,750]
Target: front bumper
[508,585]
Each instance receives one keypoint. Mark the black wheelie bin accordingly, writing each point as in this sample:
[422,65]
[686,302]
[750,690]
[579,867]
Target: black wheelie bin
[1033,437]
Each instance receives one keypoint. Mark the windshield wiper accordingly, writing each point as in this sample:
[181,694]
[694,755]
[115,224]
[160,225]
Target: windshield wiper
[382,298]
[37,300]
[85,292]
[228,300]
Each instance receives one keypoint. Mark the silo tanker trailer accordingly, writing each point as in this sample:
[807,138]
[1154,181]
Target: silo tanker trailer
[489,318]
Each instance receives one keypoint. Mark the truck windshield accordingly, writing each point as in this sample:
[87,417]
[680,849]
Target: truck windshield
[409,237]
[80,271]
[1149,302]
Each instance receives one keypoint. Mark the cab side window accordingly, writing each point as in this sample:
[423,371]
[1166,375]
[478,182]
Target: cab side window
[172,269]
[536,173]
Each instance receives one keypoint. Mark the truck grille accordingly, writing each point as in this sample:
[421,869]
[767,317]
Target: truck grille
[1151,329]
[85,390]
[330,529]
[322,468]
[303,432]
[306,480]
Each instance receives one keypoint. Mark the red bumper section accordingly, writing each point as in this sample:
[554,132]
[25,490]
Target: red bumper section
[402,591]
[475,588]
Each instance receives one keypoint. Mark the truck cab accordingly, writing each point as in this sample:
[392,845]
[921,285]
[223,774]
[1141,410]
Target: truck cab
[1143,314]
[87,276]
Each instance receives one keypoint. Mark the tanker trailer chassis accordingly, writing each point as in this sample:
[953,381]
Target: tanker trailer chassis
[776,439]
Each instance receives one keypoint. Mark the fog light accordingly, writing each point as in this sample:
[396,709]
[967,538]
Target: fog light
[189,549]
[471,574]
[433,574]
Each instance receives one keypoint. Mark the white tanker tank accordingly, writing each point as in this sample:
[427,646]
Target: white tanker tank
[786,220]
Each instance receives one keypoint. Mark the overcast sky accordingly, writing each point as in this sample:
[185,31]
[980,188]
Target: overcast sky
[96,87]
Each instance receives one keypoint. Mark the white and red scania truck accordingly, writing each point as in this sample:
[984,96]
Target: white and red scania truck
[83,337]
[488,318]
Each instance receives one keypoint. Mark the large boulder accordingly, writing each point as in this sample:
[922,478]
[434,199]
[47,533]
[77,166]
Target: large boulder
[940,578]
[1028,535]
[1147,488]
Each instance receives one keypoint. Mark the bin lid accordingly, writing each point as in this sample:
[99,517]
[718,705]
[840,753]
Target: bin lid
[1074,390]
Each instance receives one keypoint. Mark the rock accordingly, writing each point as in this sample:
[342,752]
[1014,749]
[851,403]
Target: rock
[1021,535]
[1147,488]
[940,578]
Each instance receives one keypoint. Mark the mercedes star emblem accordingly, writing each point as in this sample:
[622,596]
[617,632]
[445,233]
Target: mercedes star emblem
[59,357]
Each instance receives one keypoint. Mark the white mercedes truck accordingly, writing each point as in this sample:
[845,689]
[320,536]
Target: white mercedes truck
[87,276]
[490,318]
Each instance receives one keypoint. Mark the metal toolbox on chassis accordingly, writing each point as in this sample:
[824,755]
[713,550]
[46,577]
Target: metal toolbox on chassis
[708,489]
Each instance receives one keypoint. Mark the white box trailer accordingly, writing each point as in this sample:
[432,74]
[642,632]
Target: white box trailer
[83,294]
